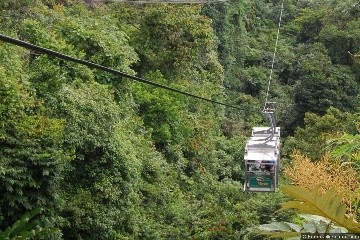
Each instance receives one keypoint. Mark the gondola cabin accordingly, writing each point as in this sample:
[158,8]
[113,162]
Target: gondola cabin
[262,160]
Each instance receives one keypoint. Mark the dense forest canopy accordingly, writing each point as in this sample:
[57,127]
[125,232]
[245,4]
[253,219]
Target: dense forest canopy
[91,155]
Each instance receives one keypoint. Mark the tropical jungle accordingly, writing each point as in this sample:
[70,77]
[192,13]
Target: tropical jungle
[88,154]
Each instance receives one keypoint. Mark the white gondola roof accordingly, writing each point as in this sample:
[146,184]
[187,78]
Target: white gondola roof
[257,150]
[261,156]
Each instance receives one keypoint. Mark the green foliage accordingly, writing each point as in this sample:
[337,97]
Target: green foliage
[31,157]
[309,24]
[99,41]
[338,42]
[69,30]
[90,114]
[346,149]
[28,227]
[175,39]
[247,33]
[122,160]
[162,113]
[327,214]
[323,73]
[318,85]
[327,205]
[310,224]
[229,27]
[281,229]
[312,138]
[104,165]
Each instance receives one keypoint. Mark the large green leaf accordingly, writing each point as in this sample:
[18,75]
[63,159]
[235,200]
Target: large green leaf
[328,205]
[27,227]
[280,226]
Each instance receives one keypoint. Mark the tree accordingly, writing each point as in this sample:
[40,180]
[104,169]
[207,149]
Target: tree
[31,159]
[345,148]
[311,140]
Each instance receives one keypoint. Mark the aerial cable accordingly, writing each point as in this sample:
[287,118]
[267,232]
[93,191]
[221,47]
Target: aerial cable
[274,55]
[104,68]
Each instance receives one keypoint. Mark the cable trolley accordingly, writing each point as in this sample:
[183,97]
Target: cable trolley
[262,155]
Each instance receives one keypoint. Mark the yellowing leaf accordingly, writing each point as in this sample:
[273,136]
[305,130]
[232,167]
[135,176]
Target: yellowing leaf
[328,205]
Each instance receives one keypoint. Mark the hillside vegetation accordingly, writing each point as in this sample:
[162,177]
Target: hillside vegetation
[91,155]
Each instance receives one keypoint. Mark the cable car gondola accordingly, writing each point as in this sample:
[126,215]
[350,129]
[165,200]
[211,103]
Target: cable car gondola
[262,150]
[262,156]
